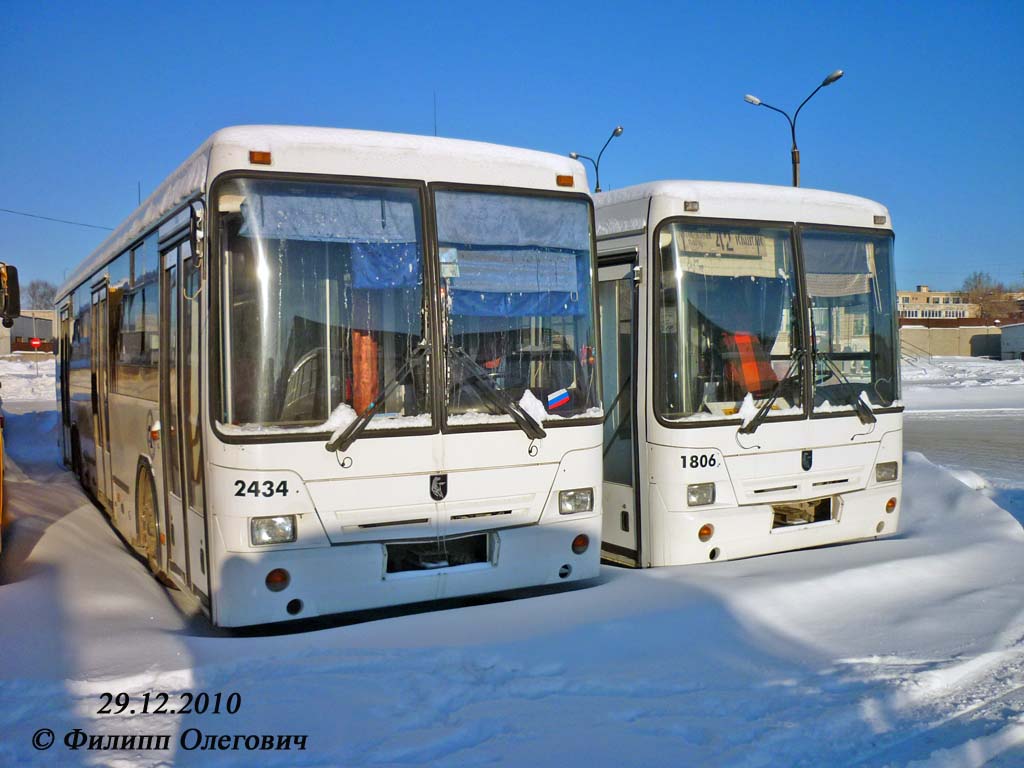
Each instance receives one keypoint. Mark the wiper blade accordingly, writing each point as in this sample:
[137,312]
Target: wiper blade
[496,396]
[860,405]
[356,428]
[762,413]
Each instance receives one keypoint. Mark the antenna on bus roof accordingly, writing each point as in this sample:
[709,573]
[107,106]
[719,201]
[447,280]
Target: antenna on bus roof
[138,190]
[435,113]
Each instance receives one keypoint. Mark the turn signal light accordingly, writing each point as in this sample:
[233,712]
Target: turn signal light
[706,532]
[564,181]
[890,505]
[278,579]
[259,158]
[580,544]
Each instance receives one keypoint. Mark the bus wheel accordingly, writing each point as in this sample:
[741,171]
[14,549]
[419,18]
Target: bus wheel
[145,517]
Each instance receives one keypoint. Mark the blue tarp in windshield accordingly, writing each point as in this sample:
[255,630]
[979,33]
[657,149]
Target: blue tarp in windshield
[516,256]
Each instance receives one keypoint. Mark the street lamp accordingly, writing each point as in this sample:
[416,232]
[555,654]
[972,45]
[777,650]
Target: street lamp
[792,120]
[597,163]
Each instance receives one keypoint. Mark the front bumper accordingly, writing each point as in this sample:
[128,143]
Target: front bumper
[336,579]
[747,531]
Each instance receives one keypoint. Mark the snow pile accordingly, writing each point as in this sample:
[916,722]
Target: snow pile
[747,410]
[28,377]
[972,480]
[879,653]
[957,383]
[534,407]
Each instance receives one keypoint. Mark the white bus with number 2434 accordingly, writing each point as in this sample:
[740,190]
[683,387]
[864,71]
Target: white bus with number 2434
[323,370]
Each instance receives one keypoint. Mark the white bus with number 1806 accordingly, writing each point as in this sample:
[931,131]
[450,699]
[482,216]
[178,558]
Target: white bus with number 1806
[750,369]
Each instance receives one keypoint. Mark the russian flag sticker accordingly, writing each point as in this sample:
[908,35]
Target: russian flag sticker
[558,399]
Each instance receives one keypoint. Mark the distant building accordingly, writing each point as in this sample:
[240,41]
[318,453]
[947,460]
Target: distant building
[1013,342]
[33,323]
[926,304]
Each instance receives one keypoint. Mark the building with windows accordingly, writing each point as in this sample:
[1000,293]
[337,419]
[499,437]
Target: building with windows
[926,304]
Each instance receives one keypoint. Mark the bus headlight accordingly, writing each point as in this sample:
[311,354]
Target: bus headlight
[575,500]
[887,471]
[272,530]
[699,494]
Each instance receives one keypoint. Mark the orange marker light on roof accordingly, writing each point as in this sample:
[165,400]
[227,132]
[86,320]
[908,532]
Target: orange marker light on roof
[564,180]
[259,158]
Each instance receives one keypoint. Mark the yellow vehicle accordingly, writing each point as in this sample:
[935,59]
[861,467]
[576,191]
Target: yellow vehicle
[10,308]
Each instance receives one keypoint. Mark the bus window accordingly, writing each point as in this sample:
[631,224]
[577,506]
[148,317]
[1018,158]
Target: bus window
[724,329]
[850,285]
[516,271]
[325,302]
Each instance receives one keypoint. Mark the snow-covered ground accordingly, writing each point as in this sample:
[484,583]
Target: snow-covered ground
[958,383]
[904,651]
[967,414]
[27,376]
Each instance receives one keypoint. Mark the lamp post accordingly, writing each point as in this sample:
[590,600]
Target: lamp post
[597,163]
[795,153]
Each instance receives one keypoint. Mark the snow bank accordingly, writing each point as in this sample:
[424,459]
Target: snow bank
[877,653]
[972,480]
[958,383]
[19,379]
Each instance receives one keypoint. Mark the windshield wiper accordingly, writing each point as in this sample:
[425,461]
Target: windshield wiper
[356,428]
[496,396]
[792,373]
[860,405]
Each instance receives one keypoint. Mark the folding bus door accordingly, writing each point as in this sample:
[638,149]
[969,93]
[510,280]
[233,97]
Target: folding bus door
[64,345]
[190,380]
[170,428]
[100,392]
[616,295]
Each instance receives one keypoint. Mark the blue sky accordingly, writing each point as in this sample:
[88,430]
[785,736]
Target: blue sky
[97,97]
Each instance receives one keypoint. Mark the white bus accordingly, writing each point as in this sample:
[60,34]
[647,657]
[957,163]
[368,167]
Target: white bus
[322,370]
[750,367]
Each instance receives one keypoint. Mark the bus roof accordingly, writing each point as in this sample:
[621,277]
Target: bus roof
[625,210]
[339,151]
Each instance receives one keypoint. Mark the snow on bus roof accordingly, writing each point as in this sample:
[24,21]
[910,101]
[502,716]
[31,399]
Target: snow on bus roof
[190,178]
[725,199]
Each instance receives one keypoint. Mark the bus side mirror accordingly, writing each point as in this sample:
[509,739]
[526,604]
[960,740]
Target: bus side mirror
[10,295]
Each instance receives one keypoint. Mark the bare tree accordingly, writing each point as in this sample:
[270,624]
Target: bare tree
[39,294]
[989,295]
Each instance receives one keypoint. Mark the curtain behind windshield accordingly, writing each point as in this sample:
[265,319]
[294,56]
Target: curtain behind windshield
[851,288]
[516,272]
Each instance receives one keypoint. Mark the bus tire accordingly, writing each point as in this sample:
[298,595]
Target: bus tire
[146,518]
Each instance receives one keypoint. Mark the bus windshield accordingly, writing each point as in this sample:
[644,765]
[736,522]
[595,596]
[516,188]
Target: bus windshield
[515,274]
[850,286]
[725,328]
[324,304]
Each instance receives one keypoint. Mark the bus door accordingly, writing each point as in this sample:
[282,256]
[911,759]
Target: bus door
[100,382]
[193,465]
[64,345]
[617,301]
[174,506]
